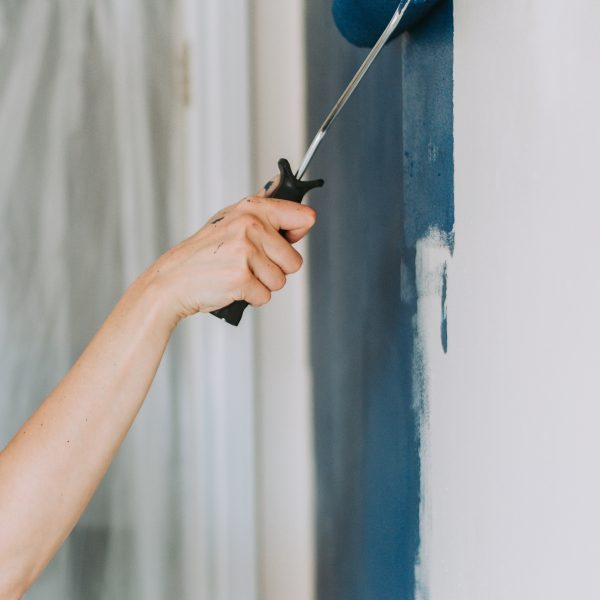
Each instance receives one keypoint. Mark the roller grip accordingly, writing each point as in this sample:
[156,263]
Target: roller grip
[288,188]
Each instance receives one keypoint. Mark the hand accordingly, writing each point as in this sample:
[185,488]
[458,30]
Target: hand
[238,255]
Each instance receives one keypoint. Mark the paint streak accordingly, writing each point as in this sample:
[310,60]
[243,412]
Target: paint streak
[217,220]
[444,326]
[369,381]
[268,185]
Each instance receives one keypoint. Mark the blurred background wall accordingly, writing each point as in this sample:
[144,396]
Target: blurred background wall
[90,165]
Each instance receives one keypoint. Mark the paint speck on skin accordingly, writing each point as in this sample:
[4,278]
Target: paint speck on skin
[218,247]
[268,185]
[217,220]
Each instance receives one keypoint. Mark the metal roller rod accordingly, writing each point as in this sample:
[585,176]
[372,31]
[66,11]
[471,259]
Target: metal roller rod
[385,36]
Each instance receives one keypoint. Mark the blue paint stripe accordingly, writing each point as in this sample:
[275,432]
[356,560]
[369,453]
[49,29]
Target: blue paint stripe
[388,166]
[428,125]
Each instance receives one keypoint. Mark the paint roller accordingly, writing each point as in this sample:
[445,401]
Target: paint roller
[361,22]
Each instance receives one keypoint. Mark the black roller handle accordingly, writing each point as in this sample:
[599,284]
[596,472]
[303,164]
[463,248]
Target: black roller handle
[288,188]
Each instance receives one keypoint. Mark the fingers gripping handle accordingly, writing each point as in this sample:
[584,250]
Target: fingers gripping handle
[288,188]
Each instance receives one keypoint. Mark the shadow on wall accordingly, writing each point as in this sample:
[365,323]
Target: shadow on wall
[388,166]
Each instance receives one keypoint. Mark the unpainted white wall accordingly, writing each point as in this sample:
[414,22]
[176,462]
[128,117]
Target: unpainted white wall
[512,445]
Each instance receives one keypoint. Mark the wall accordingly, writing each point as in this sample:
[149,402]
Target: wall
[389,184]
[512,476]
[498,361]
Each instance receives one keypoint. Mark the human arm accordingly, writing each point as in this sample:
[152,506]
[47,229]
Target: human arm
[53,465]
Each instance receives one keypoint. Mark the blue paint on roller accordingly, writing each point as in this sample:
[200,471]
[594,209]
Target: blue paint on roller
[361,22]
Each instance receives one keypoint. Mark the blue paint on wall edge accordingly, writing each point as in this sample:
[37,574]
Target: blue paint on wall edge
[389,170]
[428,142]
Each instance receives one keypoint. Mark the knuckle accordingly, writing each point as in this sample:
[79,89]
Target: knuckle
[279,282]
[294,263]
[311,214]
[240,276]
[265,297]
[243,248]
[250,200]
[246,221]
[246,277]
[248,207]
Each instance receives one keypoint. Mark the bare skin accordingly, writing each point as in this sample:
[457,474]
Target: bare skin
[53,465]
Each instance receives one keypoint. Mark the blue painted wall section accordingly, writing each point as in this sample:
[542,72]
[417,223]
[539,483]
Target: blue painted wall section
[428,139]
[388,169]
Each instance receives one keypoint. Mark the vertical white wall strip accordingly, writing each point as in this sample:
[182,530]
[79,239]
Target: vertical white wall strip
[514,445]
[284,397]
[223,557]
[433,257]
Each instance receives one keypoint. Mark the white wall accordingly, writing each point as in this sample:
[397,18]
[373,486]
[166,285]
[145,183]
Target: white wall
[512,483]
[284,415]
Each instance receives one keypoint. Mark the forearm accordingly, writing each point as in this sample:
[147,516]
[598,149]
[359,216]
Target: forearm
[53,465]
[51,468]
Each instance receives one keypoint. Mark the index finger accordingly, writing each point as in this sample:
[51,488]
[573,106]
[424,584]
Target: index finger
[291,234]
[294,218]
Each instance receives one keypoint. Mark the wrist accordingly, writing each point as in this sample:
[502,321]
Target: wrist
[153,294]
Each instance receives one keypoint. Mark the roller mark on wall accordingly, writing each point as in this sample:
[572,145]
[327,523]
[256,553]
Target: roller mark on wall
[428,137]
[428,142]
[385,232]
